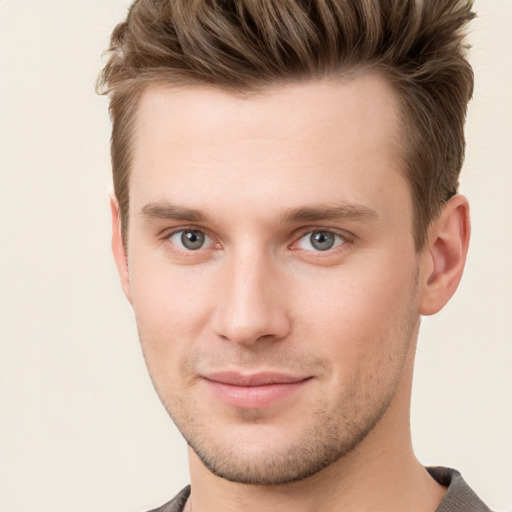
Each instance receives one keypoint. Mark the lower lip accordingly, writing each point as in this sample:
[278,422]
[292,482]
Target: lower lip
[254,397]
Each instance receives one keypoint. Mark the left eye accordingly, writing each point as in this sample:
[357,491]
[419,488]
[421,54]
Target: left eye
[190,239]
[320,241]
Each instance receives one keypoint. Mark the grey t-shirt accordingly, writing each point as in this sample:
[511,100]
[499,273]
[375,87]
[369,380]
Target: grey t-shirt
[458,498]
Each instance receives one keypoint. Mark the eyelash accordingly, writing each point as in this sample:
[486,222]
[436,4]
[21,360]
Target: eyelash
[340,239]
[168,237]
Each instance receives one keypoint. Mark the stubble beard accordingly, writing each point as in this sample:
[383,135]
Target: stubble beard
[332,432]
[325,442]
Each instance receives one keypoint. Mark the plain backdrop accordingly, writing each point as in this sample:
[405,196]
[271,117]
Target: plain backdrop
[81,428]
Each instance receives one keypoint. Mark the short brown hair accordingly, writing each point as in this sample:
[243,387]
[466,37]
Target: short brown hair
[249,45]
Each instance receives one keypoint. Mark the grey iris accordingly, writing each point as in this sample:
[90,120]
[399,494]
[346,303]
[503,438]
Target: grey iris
[192,240]
[322,240]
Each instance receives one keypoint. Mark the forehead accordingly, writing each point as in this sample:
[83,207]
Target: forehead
[291,144]
[210,115]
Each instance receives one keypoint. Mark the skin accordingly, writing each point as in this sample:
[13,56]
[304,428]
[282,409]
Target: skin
[257,176]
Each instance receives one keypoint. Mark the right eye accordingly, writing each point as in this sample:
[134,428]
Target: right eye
[190,239]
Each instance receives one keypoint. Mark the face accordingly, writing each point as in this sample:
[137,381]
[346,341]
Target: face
[272,270]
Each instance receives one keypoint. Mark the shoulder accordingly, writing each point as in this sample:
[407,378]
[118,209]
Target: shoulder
[459,496]
[177,504]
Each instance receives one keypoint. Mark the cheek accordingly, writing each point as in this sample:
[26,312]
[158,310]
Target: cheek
[170,305]
[360,312]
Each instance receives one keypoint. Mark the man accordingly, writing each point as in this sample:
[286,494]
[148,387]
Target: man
[285,209]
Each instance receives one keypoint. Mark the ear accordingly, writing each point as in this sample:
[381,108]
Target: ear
[118,247]
[444,256]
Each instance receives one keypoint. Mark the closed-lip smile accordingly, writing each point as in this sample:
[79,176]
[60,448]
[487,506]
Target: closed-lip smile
[253,390]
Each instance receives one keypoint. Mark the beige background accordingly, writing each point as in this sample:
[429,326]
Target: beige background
[80,427]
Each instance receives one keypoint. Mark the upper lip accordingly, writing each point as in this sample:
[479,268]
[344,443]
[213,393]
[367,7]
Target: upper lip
[253,379]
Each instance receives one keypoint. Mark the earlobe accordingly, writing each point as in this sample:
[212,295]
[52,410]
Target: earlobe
[444,256]
[118,247]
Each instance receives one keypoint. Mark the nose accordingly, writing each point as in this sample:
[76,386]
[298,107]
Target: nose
[252,301]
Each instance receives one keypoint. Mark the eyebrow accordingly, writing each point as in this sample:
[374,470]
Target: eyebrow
[344,211]
[164,210]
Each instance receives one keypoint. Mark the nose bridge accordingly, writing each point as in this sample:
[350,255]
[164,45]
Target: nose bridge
[250,305]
